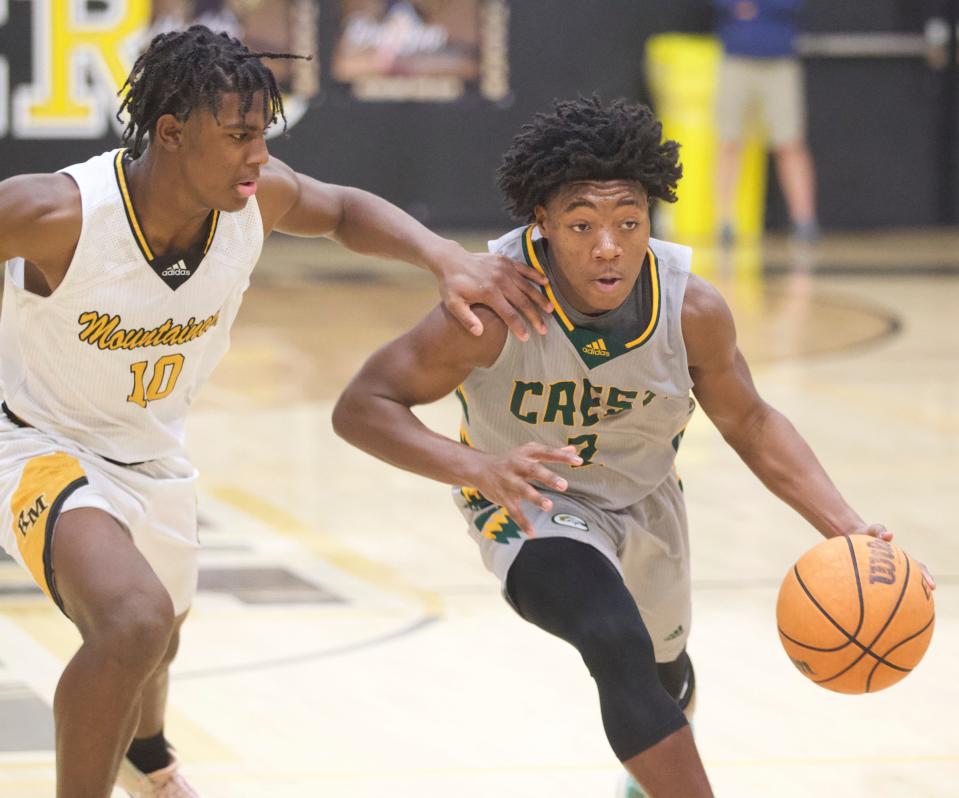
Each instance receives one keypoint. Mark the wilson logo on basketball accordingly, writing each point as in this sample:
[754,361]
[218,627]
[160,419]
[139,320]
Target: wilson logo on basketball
[882,563]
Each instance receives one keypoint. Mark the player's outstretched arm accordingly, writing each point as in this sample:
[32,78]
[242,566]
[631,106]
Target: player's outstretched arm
[765,439]
[374,414]
[299,205]
[40,220]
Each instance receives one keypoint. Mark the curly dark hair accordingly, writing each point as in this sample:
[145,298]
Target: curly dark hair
[183,70]
[584,139]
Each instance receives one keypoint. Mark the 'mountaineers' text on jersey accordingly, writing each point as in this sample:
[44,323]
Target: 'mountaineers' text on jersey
[621,397]
[115,355]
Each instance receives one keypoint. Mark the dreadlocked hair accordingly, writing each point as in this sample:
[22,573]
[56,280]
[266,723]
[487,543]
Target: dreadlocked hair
[184,70]
[584,139]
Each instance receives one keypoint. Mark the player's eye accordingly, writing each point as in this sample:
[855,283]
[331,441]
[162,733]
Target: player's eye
[580,227]
[630,224]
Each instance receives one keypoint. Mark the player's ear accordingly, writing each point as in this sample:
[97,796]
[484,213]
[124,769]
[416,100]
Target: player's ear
[539,216]
[168,133]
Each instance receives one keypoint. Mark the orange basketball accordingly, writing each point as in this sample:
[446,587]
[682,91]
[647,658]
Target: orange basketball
[855,614]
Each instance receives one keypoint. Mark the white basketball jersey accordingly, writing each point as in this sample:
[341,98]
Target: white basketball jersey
[622,397]
[115,355]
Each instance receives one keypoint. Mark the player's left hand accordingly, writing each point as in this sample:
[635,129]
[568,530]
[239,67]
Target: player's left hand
[879,531]
[505,286]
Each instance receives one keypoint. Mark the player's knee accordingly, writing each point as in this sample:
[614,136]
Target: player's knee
[172,647]
[136,635]
[616,645]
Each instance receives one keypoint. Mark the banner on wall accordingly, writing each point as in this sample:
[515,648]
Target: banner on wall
[421,50]
[279,26]
[80,54]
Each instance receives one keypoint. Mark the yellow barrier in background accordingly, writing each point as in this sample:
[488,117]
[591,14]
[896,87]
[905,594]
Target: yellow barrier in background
[683,72]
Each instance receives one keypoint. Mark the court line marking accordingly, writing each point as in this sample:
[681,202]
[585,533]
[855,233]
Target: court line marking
[328,548]
[612,767]
[933,270]
[32,654]
[29,660]
[892,327]
[309,656]
[863,398]
[838,760]
[593,766]
[286,525]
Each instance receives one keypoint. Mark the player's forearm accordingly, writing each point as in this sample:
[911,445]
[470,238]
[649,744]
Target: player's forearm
[777,454]
[372,226]
[391,432]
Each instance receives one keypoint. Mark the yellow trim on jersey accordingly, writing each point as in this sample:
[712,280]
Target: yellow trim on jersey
[132,217]
[209,238]
[654,315]
[128,206]
[549,289]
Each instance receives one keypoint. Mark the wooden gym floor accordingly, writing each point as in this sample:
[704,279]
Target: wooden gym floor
[347,642]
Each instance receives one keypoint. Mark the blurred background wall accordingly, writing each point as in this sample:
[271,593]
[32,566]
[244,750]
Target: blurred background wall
[882,91]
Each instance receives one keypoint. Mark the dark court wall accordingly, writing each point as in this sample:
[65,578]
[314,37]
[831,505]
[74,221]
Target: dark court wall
[872,123]
[438,161]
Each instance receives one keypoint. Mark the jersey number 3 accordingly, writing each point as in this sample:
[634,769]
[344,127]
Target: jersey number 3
[166,371]
[585,448]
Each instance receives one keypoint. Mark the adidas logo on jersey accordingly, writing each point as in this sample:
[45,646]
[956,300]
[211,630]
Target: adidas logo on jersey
[178,269]
[597,348]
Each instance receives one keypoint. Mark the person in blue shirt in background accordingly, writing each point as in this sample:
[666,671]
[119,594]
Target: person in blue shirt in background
[761,74]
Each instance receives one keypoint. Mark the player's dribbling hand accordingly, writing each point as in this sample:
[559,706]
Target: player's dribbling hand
[879,531]
[876,530]
[507,479]
[502,284]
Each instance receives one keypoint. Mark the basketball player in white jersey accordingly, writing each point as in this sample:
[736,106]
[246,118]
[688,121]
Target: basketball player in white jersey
[566,477]
[123,277]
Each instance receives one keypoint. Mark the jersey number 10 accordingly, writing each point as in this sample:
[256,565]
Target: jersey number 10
[166,371]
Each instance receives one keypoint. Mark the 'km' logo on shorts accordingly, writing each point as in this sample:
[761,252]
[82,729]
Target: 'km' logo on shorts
[30,516]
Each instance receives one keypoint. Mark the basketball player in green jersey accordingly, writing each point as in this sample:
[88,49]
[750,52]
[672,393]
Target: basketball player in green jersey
[564,472]
[122,279]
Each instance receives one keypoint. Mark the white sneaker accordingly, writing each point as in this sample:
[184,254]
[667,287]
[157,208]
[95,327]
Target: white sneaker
[630,788]
[165,783]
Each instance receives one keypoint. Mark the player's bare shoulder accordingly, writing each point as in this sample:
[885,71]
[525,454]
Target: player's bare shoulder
[291,202]
[708,325]
[40,220]
[277,191]
[441,337]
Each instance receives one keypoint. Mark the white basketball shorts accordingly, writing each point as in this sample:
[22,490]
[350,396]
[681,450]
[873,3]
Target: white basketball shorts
[43,476]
